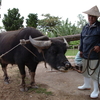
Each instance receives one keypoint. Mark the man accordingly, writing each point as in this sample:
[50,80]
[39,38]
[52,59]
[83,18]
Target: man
[90,40]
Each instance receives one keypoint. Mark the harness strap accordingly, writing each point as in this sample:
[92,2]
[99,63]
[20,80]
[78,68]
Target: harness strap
[44,59]
[29,50]
[23,42]
[35,55]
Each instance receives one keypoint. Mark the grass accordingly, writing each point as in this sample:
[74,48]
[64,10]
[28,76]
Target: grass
[71,52]
[41,90]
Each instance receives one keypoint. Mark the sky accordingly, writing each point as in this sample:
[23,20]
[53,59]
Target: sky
[62,8]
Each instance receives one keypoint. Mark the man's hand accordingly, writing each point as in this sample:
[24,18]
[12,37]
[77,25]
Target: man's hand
[81,54]
[97,49]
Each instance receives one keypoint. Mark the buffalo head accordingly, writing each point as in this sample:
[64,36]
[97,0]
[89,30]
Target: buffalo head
[54,52]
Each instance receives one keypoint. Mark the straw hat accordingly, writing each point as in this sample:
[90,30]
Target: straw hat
[93,11]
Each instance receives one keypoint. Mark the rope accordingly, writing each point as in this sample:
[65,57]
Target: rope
[9,50]
[98,79]
[88,67]
[23,42]
[29,50]
[44,59]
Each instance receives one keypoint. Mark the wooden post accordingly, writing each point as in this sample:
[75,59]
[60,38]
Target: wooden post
[68,37]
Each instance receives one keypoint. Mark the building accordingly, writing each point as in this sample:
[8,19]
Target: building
[0,8]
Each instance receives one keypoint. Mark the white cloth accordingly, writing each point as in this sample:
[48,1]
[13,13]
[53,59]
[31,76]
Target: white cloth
[78,59]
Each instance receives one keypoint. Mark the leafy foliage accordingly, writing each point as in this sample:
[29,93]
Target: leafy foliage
[45,32]
[74,42]
[48,22]
[12,20]
[66,28]
[61,29]
[32,20]
[81,21]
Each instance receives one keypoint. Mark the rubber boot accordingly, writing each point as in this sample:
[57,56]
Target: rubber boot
[86,85]
[95,92]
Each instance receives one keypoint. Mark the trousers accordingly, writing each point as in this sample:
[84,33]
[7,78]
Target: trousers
[93,74]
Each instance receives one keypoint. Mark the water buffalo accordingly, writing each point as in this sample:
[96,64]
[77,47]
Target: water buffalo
[52,51]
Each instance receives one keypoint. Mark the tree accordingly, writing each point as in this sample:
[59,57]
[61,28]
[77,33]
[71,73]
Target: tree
[49,22]
[32,20]
[66,28]
[13,20]
[81,21]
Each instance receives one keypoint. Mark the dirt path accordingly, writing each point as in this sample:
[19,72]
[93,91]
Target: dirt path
[62,85]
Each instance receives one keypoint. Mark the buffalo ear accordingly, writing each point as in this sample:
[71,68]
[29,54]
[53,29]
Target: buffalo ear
[39,44]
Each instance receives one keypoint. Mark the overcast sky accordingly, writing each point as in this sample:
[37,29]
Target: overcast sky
[62,8]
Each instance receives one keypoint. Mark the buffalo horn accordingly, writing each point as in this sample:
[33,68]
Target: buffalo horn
[40,44]
[41,37]
[66,42]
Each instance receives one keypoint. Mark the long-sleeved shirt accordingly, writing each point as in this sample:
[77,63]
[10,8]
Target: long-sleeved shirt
[90,37]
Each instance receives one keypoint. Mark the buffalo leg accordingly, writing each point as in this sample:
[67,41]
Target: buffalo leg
[33,85]
[32,70]
[23,84]
[23,75]
[4,69]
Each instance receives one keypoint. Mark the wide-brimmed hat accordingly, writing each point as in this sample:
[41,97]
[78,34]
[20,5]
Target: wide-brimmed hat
[93,11]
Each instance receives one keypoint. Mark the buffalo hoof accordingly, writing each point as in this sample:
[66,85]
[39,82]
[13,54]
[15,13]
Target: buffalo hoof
[23,89]
[6,82]
[35,86]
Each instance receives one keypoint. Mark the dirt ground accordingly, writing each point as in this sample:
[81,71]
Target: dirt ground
[63,85]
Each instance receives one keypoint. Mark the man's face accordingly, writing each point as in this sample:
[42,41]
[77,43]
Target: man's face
[92,19]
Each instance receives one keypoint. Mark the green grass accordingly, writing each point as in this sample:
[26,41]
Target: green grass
[41,90]
[71,52]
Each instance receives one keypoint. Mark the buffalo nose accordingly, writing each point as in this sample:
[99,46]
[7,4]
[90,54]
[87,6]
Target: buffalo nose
[67,64]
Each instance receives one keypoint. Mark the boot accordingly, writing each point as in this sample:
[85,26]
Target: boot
[86,85]
[95,92]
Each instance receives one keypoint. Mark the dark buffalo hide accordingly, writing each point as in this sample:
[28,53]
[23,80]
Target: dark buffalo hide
[52,51]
